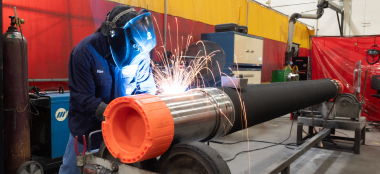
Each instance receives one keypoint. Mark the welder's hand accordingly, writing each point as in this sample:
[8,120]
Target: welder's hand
[100,110]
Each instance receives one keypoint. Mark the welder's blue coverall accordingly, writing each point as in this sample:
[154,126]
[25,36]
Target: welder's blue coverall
[94,78]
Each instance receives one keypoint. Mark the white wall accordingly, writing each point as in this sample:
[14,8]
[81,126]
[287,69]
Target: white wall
[362,17]
[294,9]
[365,18]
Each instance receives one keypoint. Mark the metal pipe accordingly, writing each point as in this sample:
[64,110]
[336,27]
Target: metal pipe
[89,139]
[340,27]
[165,23]
[309,16]
[247,11]
[292,22]
[292,4]
[141,127]
[1,94]
[342,23]
[263,5]
[48,80]
[200,114]
[334,6]
[290,36]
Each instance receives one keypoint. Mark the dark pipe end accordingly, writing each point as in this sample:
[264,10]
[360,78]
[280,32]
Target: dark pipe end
[321,6]
[288,56]
[293,17]
[339,86]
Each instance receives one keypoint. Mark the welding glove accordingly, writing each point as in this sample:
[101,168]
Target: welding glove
[100,110]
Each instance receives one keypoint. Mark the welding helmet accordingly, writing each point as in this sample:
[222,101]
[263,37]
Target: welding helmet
[135,38]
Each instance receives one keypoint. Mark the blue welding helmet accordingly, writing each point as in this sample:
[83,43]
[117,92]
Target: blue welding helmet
[137,37]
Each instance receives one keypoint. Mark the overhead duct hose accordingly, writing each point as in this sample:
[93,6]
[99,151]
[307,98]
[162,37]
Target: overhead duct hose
[292,22]
[141,127]
[268,101]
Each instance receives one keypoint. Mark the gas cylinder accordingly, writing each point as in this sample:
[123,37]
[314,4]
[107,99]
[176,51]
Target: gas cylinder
[16,99]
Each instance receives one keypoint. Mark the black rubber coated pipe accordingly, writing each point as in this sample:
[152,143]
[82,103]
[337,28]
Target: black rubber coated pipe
[264,102]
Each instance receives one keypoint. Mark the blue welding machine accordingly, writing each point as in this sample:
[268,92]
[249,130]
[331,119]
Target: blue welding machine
[49,130]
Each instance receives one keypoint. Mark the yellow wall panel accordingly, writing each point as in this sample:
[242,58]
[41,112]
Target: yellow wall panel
[154,5]
[263,22]
[267,23]
[301,35]
[207,11]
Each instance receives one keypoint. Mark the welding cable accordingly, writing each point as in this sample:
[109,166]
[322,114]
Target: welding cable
[305,132]
[256,141]
[293,144]
[312,117]
[216,83]
[24,52]
[324,124]
[293,4]
[275,144]
[342,133]
[296,144]
[237,142]
[229,160]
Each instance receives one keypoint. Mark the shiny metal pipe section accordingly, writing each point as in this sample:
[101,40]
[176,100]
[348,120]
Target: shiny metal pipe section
[335,7]
[200,114]
[309,16]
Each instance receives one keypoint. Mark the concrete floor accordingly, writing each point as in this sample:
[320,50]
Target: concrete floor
[315,160]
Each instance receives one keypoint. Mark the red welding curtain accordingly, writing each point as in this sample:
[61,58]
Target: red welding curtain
[335,57]
[53,28]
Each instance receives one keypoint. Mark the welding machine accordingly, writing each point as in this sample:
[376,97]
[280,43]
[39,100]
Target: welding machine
[49,130]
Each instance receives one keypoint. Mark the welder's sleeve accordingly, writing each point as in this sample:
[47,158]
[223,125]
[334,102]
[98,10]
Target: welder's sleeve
[144,79]
[82,85]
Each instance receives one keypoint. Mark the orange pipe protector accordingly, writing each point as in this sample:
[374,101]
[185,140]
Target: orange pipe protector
[137,128]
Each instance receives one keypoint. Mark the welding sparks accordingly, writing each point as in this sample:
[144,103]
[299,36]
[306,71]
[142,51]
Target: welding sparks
[176,73]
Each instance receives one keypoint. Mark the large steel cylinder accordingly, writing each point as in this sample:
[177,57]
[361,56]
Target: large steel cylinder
[140,127]
[200,114]
[16,108]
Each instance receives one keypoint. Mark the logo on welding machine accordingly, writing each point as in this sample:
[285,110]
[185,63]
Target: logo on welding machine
[61,114]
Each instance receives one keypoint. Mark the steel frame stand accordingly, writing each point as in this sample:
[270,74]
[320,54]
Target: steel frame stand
[358,126]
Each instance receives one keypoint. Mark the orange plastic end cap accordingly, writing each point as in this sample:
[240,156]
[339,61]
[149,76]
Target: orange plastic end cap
[137,128]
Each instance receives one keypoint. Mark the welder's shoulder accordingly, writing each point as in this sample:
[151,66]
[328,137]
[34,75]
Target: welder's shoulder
[85,46]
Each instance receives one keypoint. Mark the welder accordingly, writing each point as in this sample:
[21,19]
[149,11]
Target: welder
[113,62]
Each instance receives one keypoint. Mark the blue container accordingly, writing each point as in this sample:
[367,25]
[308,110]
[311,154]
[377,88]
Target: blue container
[59,125]
[50,130]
